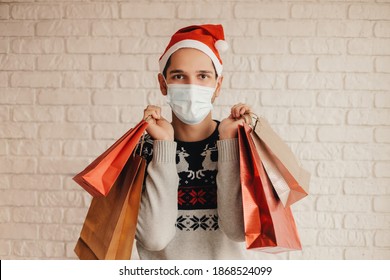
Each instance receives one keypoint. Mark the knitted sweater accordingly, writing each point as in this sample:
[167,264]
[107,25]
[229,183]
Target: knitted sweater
[183,214]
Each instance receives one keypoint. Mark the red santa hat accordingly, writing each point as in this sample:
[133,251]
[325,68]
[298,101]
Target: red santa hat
[207,38]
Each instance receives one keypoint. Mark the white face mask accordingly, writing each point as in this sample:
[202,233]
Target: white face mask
[190,103]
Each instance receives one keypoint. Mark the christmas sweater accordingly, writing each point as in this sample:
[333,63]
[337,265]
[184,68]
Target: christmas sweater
[191,204]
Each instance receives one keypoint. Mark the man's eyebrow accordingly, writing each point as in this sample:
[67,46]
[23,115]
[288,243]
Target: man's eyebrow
[205,72]
[175,71]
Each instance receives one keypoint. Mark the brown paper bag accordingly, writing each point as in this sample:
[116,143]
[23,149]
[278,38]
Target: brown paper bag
[109,228]
[289,179]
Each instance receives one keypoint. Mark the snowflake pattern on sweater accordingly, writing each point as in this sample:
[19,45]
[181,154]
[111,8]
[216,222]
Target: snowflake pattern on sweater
[196,164]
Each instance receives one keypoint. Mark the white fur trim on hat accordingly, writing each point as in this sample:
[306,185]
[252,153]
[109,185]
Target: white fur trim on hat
[191,44]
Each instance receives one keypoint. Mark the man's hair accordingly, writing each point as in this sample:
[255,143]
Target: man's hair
[169,63]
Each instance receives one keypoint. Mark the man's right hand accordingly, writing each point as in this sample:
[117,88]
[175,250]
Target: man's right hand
[158,128]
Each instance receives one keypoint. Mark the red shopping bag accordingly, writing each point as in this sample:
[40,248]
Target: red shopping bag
[269,226]
[99,176]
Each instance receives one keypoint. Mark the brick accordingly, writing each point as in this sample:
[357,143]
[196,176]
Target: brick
[103,114]
[128,114]
[5,215]
[339,237]
[260,46]
[16,62]
[363,152]
[263,11]
[4,114]
[382,204]
[4,45]
[257,81]
[3,146]
[381,169]
[316,151]
[199,11]
[3,80]
[92,45]
[118,28]
[91,11]
[369,11]
[61,165]
[370,46]
[342,28]
[36,79]
[148,11]
[5,182]
[382,134]
[61,199]
[57,232]
[382,100]
[138,80]
[16,231]
[62,28]
[345,99]
[323,11]
[289,28]
[4,11]
[152,63]
[345,64]
[5,248]
[335,46]
[288,63]
[232,28]
[373,186]
[17,131]
[343,204]
[37,215]
[316,220]
[63,62]
[287,98]
[17,165]
[17,198]
[64,131]
[317,116]
[367,254]
[296,133]
[318,253]
[36,182]
[85,148]
[16,96]
[117,62]
[110,131]
[40,11]
[368,117]
[89,80]
[119,97]
[75,215]
[346,134]
[38,45]
[382,238]
[34,148]
[78,114]
[16,28]
[63,97]
[382,29]
[39,249]
[367,221]
[382,64]
[143,45]
[38,114]
[315,81]
[367,81]
[341,169]
[241,63]
[326,186]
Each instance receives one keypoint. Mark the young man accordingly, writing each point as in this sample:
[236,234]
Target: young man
[191,205]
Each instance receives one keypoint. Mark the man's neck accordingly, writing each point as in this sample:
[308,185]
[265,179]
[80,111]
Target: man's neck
[193,133]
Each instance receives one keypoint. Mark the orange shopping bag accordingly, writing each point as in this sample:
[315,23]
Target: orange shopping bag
[269,226]
[99,176]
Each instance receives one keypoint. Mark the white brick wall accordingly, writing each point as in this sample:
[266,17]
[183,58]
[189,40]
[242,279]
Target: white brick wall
[75,75]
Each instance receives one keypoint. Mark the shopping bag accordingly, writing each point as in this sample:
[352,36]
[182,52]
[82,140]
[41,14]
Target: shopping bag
[109,229]
[289,179]
[269,226]
[99,176]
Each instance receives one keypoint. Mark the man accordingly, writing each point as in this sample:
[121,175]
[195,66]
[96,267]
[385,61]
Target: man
[191,205]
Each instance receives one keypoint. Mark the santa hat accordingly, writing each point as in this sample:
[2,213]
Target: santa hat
[207,38]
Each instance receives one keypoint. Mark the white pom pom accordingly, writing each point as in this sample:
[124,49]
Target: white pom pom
[222,46]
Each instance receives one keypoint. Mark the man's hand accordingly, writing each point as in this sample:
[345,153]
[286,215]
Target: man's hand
[158,128]
[229,126]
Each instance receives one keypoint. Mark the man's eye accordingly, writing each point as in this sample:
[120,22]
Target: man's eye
[178,77]
[203,76]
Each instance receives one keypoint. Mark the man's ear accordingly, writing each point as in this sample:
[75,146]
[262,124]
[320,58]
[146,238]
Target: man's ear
[163,85]
[218,88]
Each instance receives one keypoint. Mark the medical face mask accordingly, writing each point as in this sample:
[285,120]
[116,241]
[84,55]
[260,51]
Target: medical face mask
[190,103]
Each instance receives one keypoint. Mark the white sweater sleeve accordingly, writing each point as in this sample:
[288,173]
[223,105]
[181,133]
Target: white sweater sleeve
[158,210]
[230,210]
